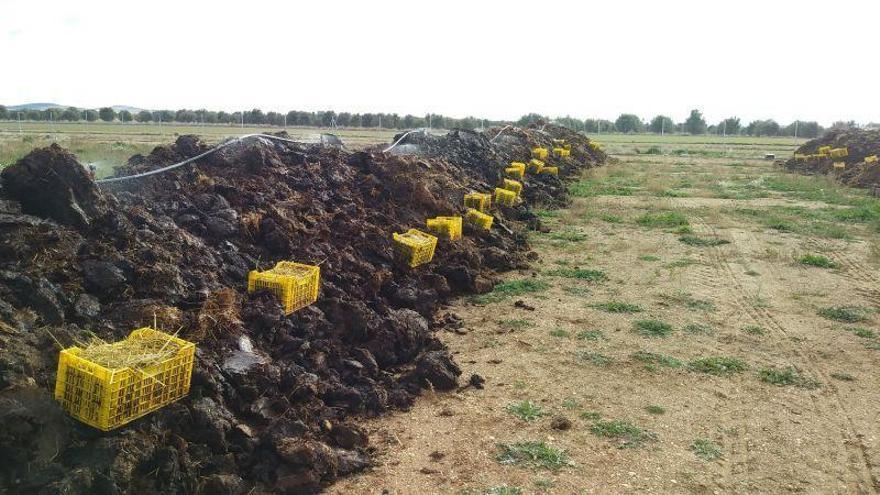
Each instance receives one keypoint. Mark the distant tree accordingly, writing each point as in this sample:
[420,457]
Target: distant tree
[803,129]
[255,116]
[4,113]
[71,114]
[628,122]
[367,120]
[763,128]
[531,118]
[695,123]
[328,118]
[106,114]
[841,125]
[163,116]
[184,115]
[91,115]
[125,116]
[33,115]
[225,118]
[144,116]
[729,126]
[661,123]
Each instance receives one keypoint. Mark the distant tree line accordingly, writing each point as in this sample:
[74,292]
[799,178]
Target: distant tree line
[625,123]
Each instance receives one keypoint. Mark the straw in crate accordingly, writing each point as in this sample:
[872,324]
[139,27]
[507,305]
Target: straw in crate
[516,170]
[478,219]
[512,185]
[535,165]
[478,201]
[295,284]
[561,152]
[871,159]
[839,152]
[550,170]
[839,165]
[446,227]
[414,247]
[107,385]
[540,153]
[504,197]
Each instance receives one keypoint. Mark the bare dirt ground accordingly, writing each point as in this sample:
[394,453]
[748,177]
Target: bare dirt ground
[676,367]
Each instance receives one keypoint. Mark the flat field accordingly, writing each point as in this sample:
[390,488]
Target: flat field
[701,324]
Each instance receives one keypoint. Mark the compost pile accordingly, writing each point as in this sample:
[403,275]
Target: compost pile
[856,173]
[275,399]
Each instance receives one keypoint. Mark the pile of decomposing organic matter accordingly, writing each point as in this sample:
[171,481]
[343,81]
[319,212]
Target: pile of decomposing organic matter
[274,399]
[861,167]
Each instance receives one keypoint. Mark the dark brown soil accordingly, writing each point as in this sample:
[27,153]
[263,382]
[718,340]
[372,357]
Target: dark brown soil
[176,248]
[859,143]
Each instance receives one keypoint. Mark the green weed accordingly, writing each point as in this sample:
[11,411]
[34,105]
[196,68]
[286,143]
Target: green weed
[525,410]
[846,314]
[594,358]
[717,365]
[817,260]
[706,449]
[617,307]
[652,328]
[654,409]
[668,219]
[512,288]
[655,359]
[579,273]
[692,240]
[591,335]
[536,455]
[786,377]
[629,434]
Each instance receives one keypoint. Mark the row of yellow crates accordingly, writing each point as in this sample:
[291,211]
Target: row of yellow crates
[106,395]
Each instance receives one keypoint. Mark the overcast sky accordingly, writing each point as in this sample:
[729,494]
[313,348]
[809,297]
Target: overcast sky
[751,59]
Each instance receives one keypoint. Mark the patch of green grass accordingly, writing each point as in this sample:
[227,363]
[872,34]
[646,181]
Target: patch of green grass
[865,333]
[652,328]
[591,335]
[579,273]
[655,409]
[656,359]
[685,299]
[516,323]
[752,273]
[786,377]
[537,455]
[571,403]
[560,332]
[591,187]
[504,490]
[568,236]
[684,229]
[526,410]
[706,449]
[672,193]
[543,483]
[543,213]
[575,290]
[510,289]
[699,329]
[844,377]
[667,219]
[718,365]
[628,434]
[617,307]
[594,358]
[649,257]
[846,314]
[682,263]
[590,415]
[609,218]
[816,260]
[754,329]
[692,240]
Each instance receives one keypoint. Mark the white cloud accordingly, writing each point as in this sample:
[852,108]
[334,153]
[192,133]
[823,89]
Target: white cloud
[753,59]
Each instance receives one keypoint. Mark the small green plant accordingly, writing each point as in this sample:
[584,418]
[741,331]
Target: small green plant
[579,273]
[786,377]
[544,483]
[590,335]
[682,263]
[575,290]
[717,365]
[846,314]
[684,229]
[655,409]
[510,289]
[754,329]
[653,150]
[560,332]
[672,193]
[699,329]
[504,490]
[617,307]
[649,257]
[590,415]
[692,240]
[668,219]
[526,410]
[654,359]
[844,377]
[629,434]
[816,260]
[568,236]
[607,217]
[516,323]
[685,299]
[536,455]
[865,333]
[652,328]
[571,403]
[594,358]
[706,449]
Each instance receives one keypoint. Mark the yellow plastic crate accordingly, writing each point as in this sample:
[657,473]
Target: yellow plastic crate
[295,284]
[536,165]
[871,159]
[550,170]
[561,152]
[567,146]
[479,219]
[107,398]
[824,150]
[446,227]
[595,145]
[800,157]
[839,152]
[512,185]
[839,165]
[504,197]
[559,141]
[515,172]
[540,153]
[414,247]
[479,201]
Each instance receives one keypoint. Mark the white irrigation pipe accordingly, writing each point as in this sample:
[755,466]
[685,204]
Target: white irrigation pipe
[190,160]
[405,134]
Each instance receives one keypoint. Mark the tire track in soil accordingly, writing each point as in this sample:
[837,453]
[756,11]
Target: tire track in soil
[860,465]
[860,277]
